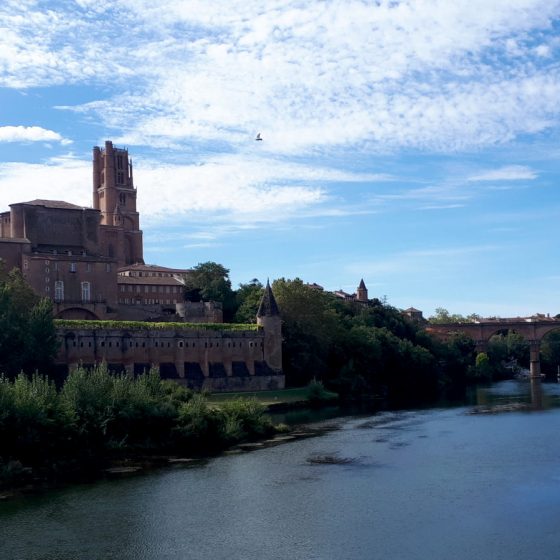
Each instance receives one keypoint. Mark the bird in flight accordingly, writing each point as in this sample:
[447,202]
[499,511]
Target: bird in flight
[259,137]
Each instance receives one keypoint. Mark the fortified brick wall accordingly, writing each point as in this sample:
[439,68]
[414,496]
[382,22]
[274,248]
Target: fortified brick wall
[200,359]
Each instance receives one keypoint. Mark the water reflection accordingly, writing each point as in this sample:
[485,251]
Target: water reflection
[536,393]
[533,394]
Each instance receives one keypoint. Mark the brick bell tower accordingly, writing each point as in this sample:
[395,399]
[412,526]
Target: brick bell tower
[114,195]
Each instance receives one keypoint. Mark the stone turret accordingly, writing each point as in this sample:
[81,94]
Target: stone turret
[268,317]
[362,292]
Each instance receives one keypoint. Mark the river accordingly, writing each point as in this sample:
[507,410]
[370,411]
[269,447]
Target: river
[434,484]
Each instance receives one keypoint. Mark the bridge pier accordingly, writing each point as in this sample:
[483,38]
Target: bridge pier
[535,359]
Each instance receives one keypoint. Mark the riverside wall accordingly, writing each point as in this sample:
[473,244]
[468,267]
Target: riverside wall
[214,360]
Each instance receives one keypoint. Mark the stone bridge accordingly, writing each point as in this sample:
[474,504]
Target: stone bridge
[531,329]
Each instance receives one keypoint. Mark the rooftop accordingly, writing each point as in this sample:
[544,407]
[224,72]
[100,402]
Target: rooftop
[51,204]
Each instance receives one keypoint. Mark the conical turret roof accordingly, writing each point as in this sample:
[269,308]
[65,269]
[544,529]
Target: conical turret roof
[268,306]
[362,286]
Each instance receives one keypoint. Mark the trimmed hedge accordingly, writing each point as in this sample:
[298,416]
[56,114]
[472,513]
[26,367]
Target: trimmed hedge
[149,326]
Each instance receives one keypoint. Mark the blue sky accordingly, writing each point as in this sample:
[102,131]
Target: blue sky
[411,143]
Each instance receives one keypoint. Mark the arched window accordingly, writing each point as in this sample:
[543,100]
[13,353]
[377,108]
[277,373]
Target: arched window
[59,290]
[86,292]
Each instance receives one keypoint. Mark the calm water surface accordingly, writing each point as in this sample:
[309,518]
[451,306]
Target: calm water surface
[430,484]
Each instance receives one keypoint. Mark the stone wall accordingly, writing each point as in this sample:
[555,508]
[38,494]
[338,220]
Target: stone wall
[224,360]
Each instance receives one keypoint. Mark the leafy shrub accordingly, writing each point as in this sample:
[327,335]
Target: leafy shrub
[316,391]
[244,419]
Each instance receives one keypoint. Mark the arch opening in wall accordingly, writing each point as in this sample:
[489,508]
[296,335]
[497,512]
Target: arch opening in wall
[78,313]
[550,354]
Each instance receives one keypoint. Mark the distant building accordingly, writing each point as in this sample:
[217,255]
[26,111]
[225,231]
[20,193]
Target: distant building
[414,314]
[361,295]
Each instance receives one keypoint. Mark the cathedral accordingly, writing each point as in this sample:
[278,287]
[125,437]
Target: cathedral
[89,261]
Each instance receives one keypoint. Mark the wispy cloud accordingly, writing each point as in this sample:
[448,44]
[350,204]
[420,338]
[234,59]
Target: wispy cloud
[241,192]
[30,134]
[420,261]
[507,173]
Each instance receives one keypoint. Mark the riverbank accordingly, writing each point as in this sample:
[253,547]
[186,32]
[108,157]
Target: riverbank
[96,418]
[138,464]
[101,423]
[282,399]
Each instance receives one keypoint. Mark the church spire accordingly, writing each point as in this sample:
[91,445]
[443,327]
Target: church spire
[362,292]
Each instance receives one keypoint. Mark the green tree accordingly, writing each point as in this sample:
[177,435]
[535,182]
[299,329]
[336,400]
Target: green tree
[503,348]
[210,281]
[27,332]
[443,316]
[248,298]
[482,370]
[550,353]
[310,327]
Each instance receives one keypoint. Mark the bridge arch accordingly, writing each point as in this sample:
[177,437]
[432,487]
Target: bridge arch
[532,330]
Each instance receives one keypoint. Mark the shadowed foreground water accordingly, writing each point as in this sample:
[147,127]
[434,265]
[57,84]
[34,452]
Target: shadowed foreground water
[431,484]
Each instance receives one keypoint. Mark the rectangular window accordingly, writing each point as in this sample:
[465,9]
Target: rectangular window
[146,289]
[72,267]
[122,287]
[88,267]
[107,267]
[86,292]
[59,290]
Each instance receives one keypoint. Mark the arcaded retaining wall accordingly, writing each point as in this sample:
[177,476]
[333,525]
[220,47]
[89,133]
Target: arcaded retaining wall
[217,360]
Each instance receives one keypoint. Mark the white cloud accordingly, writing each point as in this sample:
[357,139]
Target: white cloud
[507,173]
[64,179]
[543,50]
[30,134]
[429,74]
[244,192]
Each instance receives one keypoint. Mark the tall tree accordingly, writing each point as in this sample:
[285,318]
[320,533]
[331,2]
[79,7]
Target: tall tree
[27,332]
[248,297]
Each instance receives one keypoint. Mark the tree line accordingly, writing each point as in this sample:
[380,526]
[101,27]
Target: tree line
[352,348]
